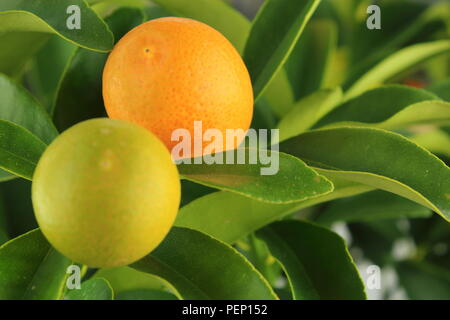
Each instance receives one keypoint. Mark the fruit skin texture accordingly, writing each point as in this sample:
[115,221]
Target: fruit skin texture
[105,192]
[169,72]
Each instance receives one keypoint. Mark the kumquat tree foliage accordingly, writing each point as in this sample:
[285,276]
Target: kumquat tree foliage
[219,149]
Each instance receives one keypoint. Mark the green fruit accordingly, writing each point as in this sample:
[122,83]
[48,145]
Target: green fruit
[106,192]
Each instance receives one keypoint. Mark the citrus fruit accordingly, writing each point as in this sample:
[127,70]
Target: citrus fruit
[105,192]
[169,72]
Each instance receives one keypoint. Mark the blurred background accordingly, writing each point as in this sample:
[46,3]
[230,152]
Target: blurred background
[419,248]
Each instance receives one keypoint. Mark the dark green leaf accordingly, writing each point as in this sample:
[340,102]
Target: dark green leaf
[424,281]
[200,267]
[268,48]
[294,181]
[371,46]
[126,279]
[308,64]
[396,63]
[232,216]
[380,159]
[18,206]
[19,107]
[145,294]
[16,48]
[93,289]
[377,105]
[19,150]
[441,89]
[305,252]
[31,269]
[375,205]
[80,93]
[47,68]
[50,17]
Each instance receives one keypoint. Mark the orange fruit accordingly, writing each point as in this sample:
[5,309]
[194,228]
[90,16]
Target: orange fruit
[105,192]
[169,72]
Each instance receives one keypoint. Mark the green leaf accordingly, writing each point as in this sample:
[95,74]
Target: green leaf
[424,281]
[44,16]
[376,239]
[126,279]
[16,48]
[19,107]
[18,206]
[233,217]
[375,205]
[93,289]
[305,251]
[4,234]
[380,159]
[80,91]
[19,150]
[389,107]
[308,111]
[294,181]
[308,64]
[419,23]
[396,63]
[200,267]
[436,141]
[6,176]
[268,48]
[145,294]
[31,269]
[46,69]
[441,89]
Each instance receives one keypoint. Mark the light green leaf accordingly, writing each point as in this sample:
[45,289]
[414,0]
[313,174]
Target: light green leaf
[31,269]
[371,206]
[396,63]
[93,289]
[380,159]
[305,251]
[268,48]
[201,267]
[293,181]
[308,111]
[436,141]
[232,217]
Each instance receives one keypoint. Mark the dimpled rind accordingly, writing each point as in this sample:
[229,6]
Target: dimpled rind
[169,72]
[105,192]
